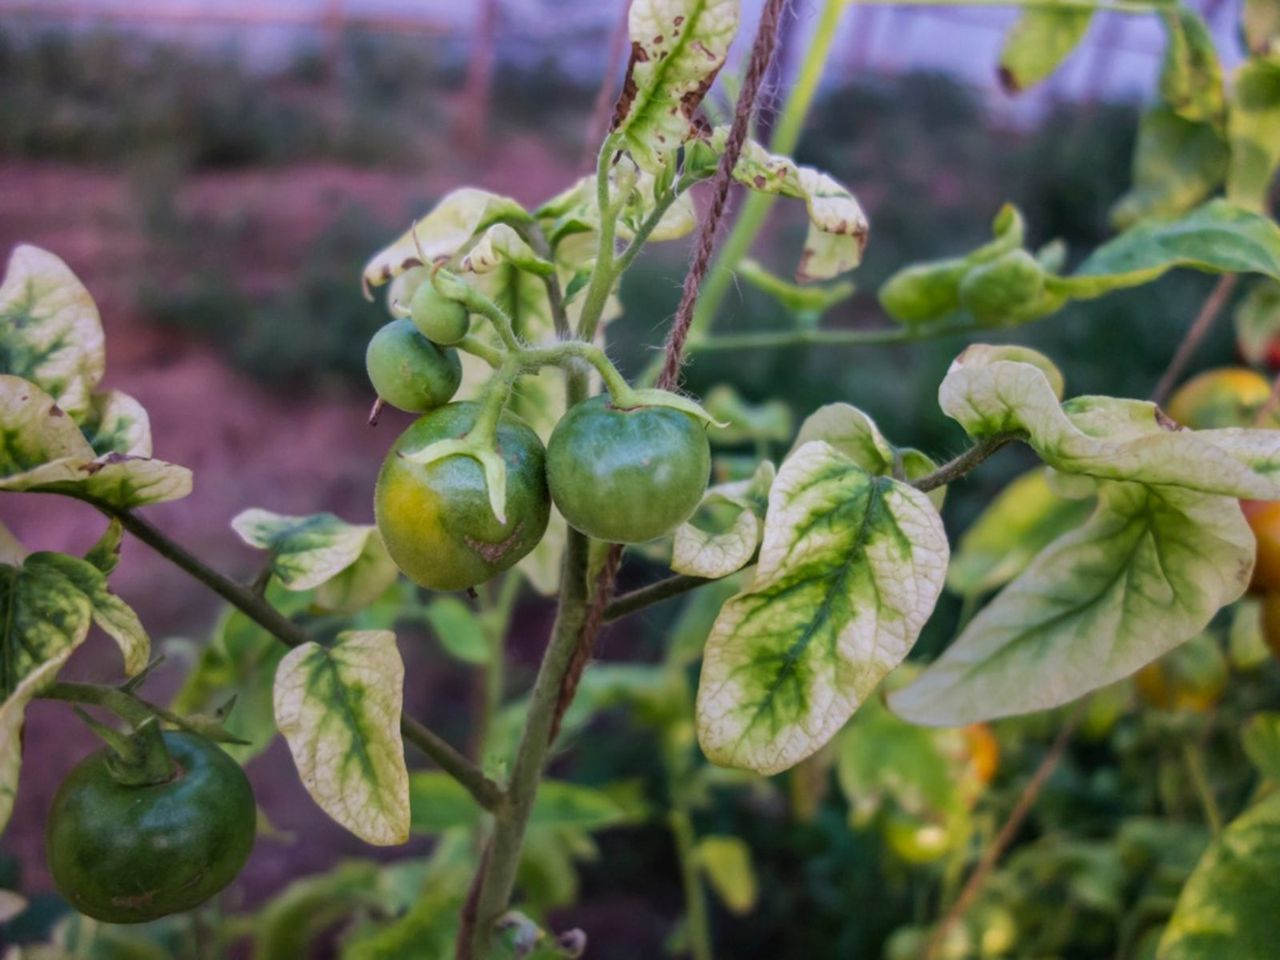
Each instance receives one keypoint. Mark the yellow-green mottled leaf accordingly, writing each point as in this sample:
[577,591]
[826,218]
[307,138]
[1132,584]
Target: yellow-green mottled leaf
[677,48]
[50,332]
[1253,127]
[571,219]
[1190,76]
[850,568]
[992,391]
[1022,520]
[442,234]
[105,554]
[857,436]
[1148,571]
[43,618]
[1177,163]
[117,423]
[44,450]
[838,227]
[1227,909]
[111,614]
[1261,738]
[339,709]
[717,553]
[321,550]
[1038,43]
[501,244]
[726,863]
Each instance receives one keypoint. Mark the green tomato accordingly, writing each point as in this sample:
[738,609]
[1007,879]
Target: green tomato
[439,319]
[409,371]
[129,854]
[627,476]
[436,519]
[916,841]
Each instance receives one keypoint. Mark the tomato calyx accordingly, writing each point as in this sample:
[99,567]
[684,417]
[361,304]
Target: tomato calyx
[138,759]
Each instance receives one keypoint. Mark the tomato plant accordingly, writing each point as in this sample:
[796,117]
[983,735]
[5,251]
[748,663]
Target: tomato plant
[814,559]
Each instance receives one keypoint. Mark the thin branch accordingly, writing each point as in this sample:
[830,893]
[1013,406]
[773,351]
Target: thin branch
[957,467]
[487,793]
[1008,832]
[638,600]
[1199,328]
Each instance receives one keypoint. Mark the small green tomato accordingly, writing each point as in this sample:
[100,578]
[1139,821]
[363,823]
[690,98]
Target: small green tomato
[409,371]
[439,319]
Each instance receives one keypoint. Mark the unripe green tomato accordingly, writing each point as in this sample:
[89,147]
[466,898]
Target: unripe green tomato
[410,372]
[627,476]
[439,319]
[435,518]
[916,841]
[129,854]
[1003,291]
[925,292]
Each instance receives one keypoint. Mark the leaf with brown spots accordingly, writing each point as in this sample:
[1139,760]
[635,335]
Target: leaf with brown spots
[677,48]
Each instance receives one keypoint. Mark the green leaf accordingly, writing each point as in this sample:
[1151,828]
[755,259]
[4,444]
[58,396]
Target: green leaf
[320,550]
[571,219]
[458,629]
[1039,42]
[747,422]
[240,660]
[850,568]
[1023,519]
[1261,738]
[804,302]
[1228,906]
[291,923]
[1253,127]
[856,435]
[439,803]
[442,234]
[117,423]
[883,760]
[1190,76]
[838,228]
[726,863]
[992,391]
[701,553]
[1148,571]
[1246,646]
[339,709]
[45,451]
[1257,322]
[1218,237]
[50,332]
[1177,163]
[677,48]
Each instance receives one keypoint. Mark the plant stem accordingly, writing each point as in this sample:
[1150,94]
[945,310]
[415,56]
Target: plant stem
[487,793]
[604,272]
[1193,759]
[1199,328]
[1008,832]
[957,467]
[786,134]
[513,817]
[131,708]
[665,589]
[697,924]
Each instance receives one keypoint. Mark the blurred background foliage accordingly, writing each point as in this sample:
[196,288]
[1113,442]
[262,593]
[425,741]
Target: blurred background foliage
[931,170]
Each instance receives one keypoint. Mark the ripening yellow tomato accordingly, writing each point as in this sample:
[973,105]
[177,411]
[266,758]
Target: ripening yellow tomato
[1190,677]
[984,751]
[1264,521]
[1226,397]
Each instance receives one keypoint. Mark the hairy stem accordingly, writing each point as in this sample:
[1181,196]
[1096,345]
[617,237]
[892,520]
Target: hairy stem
[526,771]
[487,793]
[957,467]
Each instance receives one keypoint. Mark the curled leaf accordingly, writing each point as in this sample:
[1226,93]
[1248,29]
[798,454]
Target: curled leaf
[701,553]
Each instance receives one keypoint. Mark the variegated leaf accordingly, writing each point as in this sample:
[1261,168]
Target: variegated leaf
[701,553]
